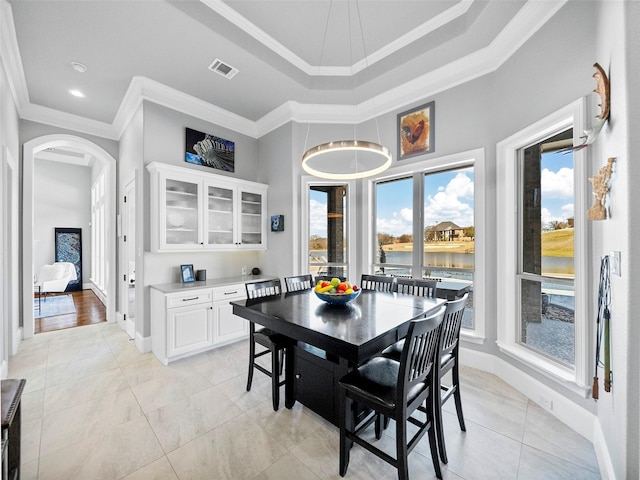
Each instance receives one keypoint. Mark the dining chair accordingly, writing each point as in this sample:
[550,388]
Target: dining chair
[416,286]
[449,348]
[275,343]
[396,390]
[449,361]
[379,283]
[299,282]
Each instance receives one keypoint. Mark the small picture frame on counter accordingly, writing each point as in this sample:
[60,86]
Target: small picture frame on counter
[187,274]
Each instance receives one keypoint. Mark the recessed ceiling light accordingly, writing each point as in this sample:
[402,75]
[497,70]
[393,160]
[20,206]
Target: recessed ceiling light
[76,93]
[78,67]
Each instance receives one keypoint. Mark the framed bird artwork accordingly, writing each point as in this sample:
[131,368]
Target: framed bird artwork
[416,131]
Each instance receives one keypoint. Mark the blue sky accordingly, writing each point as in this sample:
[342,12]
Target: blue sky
[449,197]
[557,187]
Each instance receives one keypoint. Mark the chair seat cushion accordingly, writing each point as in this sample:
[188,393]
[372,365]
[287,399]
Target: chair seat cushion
[267,337]
[377,382]
[394,352]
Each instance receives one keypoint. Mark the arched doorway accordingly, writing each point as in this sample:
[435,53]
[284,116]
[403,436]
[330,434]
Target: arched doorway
[108,163]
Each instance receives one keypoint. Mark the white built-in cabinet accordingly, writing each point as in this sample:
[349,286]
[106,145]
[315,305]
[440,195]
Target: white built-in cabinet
[193,210]
[195,319]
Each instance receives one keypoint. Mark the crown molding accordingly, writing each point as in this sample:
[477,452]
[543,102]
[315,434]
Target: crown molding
[447,16]
[142,88]
[531,17]
[10,55]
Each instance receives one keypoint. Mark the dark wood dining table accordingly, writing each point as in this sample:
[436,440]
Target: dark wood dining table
[349,334]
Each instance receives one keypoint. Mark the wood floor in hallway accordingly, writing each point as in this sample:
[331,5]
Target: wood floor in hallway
[89,310]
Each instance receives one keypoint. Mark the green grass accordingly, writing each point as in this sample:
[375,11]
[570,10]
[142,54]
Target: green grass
[558,243]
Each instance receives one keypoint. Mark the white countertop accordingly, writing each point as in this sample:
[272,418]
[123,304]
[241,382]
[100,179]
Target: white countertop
[214,282]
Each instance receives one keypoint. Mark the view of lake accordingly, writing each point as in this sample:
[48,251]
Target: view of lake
[550,265]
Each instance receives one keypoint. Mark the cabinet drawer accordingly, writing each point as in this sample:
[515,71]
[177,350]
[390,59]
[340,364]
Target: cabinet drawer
[191,298]
[230,292]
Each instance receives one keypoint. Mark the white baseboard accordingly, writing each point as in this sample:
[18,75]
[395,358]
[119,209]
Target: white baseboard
[602,453]
[143,343]
[572,415]
[575,417]
[17,338]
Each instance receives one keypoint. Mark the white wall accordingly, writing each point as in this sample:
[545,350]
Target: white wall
[9,288]
[62,199]
[616,50]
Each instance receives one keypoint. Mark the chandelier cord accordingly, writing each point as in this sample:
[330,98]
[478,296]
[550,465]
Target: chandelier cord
[317,79]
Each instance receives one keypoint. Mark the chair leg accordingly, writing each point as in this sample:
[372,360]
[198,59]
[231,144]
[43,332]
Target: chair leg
[456,396]
[438,426]
[252,353]
[379,422]
[281,355]
[433,443]
[345,444]
[275,378]
[401,449]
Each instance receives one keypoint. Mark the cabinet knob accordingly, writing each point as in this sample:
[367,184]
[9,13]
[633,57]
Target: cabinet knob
[298,375]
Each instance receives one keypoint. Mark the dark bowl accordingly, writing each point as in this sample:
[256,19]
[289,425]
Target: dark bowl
[338,298]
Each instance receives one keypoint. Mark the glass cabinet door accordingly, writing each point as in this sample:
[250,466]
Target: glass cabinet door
[181,213]
[251,218]
[220,215]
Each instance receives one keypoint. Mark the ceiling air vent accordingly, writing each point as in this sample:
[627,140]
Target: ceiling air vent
[223,69]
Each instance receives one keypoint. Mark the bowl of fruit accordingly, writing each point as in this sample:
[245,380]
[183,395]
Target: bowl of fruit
[336,292]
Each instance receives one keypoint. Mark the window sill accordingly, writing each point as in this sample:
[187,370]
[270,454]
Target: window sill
[557,373]
[471,337]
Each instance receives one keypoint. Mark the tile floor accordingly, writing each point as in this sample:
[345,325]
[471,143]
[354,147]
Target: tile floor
[96,408]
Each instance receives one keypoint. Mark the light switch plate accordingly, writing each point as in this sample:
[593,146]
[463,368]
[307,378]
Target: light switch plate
[614,259]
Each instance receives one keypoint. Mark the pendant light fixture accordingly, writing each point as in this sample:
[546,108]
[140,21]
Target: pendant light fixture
[352,158]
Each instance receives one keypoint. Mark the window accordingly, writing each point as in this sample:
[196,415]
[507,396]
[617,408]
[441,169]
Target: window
[328,228]
[542,247]
[425,225]
[546,245]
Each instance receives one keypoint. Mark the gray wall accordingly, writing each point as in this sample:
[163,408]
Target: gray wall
[62,198]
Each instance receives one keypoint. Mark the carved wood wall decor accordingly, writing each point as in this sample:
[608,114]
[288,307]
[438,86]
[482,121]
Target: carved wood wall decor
[601,188]
[603,91]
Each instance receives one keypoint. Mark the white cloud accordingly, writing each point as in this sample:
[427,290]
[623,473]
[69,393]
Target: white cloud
[400,223]
[449,205]
[567,210]
[317,218]
[557,184]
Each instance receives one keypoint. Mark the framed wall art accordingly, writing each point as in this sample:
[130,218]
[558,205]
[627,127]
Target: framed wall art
[209,150]
[187,274]
[68,245]
[277,223]
[416,131]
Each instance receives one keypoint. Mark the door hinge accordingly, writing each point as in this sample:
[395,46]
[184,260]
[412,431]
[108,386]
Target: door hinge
[125,277]
[125,238]
[125,316]
[125,199]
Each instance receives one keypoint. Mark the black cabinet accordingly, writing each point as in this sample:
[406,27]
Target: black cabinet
[316,383]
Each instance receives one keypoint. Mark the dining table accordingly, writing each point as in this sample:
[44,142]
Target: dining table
[329,340]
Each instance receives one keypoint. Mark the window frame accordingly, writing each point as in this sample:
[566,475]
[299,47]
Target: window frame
[508,244]
[473,158]
[308,181]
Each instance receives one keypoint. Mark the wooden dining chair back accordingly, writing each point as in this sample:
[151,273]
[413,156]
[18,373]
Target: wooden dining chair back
[274,343]
[396,390]
[299,282]
[379,283]
[449,349]
[264,288]
[417,287]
